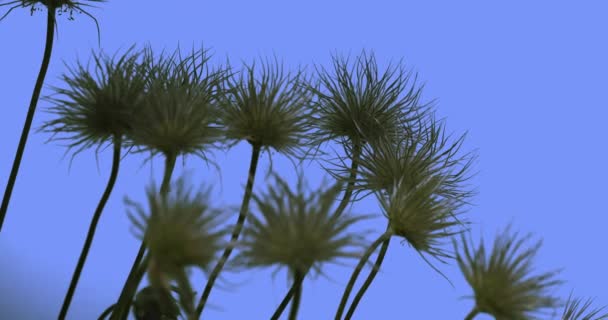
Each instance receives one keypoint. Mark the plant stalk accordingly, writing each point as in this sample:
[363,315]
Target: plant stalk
[255,155]
[298,278]
[472,314]
[92,227]
[285,301]
[46,58]
[357,271]
[348,193]
[369,279]
[138,269]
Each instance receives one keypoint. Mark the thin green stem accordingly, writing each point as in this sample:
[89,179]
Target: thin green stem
[298,278]
[351,180]
[138,269]
[186,296]
[92,227]
[472,314]
[122,303]
[46,58]
[255,155]
[285,301]
[106,312]
[369,279]
[357,271]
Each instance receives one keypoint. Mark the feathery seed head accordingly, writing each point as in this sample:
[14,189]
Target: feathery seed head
[502,281]
[574,310]
[413,158]
[96,106]
[296,230]
[357,104]
[270,111]
[178,115]
[422,218]
[180,231]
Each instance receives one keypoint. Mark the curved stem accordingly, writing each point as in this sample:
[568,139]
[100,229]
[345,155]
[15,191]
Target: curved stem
[369,279]
[357,271]
[351,180]
[298,278]
[285,301]
[46,58]
[472,314]
[106,312]
[92,227]
[138,269]
[123,300]
[255,155]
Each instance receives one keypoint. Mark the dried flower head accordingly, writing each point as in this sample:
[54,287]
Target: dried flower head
[358,104]
[409,159]
[574,310]
[296,230]
[96,106]
[180,231]
[269,111]
[178,115]
[419,216]
[502,281]
[61,6]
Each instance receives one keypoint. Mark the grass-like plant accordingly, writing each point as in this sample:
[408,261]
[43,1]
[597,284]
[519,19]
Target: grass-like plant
[93,109]
[297,230]
[52,7]
[270,110]
[181,231]
[502,280]
[177,116]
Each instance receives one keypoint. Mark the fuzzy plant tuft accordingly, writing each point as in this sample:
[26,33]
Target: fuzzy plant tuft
[502,280]
[577,309]
[181,230]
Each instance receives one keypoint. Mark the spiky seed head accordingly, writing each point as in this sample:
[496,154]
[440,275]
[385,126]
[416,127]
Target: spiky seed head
[409,159]
[96,105]
[419,216]
[56,6]
[297,230]
[576,309]
[502,279]
[178,115]
[359,104]
[270,109]
[155,303]
[180,231]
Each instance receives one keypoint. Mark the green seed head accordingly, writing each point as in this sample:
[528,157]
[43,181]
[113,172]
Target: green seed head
[269,110]
[502,280]
[297,230]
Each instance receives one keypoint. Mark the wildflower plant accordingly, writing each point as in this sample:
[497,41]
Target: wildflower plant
[94,109]
[299,232]
[420,183]
[502,279]
[53,6]
[181,231]
[268,110]
[177,116]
